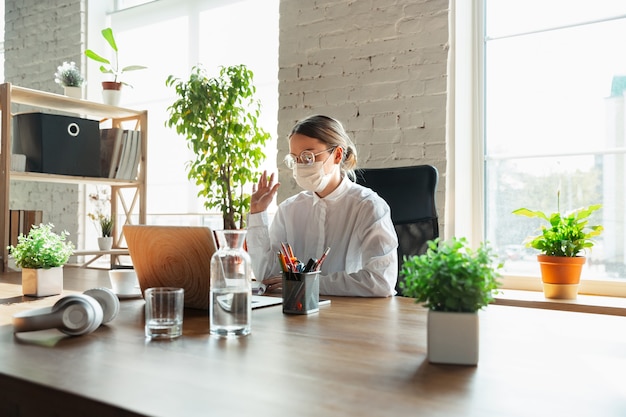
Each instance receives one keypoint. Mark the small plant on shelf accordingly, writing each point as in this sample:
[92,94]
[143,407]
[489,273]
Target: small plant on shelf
[112,67]
[42,248]
[565,234]
[101,199]
[68,75]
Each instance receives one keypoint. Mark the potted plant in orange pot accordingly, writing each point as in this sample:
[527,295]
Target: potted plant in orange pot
[41,254]
[561,243]
[111,90]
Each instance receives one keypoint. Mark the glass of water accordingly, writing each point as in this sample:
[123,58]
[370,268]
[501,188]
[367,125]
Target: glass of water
[164,312]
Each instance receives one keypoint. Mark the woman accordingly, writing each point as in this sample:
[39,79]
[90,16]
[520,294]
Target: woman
[332,211]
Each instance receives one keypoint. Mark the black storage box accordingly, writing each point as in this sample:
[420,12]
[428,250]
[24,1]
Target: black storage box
[56,144]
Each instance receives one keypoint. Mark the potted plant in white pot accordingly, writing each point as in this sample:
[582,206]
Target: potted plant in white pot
[219,118]
[111,90]
[101,199]
[69,77]
[41,254]
[454,282]
[105,241]
[561,243]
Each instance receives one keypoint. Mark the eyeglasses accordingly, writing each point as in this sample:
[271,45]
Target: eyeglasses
[306,157]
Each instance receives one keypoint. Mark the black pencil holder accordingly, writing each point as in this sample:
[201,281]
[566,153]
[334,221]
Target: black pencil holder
[301,292]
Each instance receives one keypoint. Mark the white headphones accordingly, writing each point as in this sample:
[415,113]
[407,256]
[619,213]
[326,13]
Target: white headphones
[74,315]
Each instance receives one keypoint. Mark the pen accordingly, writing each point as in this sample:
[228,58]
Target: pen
[310,265]
[322,258]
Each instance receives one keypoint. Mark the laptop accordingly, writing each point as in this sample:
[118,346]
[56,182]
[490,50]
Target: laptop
[178,256]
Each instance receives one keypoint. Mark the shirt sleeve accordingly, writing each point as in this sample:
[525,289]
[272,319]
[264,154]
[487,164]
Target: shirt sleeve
[264,261]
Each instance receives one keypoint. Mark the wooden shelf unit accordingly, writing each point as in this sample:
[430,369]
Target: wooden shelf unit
[10,95]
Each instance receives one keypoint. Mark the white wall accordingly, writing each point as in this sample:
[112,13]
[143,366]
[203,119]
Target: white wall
[379,66]
[39,36]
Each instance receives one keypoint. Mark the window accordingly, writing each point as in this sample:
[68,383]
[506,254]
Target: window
[555,121]
[170,38]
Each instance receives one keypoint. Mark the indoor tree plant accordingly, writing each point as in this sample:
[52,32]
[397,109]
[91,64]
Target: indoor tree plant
[69,77]
[454,282]
[561,243]
[41,254]
[111,89]
[219,118]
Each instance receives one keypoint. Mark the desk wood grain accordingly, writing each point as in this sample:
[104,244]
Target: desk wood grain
[356,357]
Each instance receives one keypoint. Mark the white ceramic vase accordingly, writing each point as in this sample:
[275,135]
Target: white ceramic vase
[452,338]
[105,243]
[42,282]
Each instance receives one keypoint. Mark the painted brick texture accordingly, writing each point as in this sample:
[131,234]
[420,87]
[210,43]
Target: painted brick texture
[379,66]
[39,36]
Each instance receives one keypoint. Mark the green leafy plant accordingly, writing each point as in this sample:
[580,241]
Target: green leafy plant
[68,75]
[451,276]
[219,118]
[566,234]
[42,248]
[106,226]
[111,67]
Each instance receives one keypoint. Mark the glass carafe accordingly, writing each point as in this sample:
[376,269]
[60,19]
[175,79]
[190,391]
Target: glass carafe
[230,305]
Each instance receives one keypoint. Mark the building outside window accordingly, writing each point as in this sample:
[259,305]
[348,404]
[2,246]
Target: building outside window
[555,121]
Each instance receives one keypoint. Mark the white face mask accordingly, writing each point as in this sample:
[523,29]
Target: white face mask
[312,177]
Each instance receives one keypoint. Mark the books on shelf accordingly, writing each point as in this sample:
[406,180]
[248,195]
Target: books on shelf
[120,153]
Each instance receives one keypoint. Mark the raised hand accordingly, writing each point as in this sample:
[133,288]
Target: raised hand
[263,193]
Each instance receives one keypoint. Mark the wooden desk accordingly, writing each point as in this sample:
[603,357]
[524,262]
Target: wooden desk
[356,357]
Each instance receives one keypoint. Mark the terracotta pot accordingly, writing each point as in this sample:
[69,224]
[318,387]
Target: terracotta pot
[560,275]
[111,85]
[111,92]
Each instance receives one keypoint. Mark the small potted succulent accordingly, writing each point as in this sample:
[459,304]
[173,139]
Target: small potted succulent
[69,77]
[561,243]
[454,282]
[111,90]
[41,254]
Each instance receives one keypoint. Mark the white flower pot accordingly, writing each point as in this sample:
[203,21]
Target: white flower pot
[105,243]
[42,282]
[452,338]
[111,93]
[74,92]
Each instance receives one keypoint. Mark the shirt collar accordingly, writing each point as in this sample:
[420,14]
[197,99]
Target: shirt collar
[337,192]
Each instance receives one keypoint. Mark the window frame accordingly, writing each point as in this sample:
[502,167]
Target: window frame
[466,135]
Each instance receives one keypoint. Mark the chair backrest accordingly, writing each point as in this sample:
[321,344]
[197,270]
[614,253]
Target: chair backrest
[410,193]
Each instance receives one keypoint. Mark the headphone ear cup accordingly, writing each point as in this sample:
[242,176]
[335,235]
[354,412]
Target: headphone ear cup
[108,301]
[80,314]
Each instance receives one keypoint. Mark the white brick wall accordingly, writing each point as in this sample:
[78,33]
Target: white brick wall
[39,36]
[379,66]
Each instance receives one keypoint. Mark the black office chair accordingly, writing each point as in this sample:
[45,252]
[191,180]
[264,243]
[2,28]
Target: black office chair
[410,193]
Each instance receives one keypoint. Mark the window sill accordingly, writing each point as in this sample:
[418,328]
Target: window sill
[583,304]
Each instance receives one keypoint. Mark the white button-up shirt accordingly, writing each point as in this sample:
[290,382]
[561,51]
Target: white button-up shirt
[353,221]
